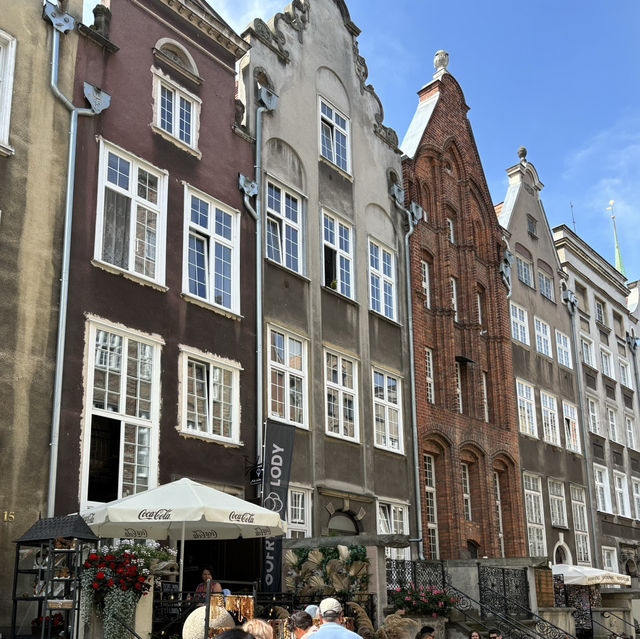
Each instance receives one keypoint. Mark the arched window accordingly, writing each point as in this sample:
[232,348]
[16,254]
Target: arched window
[342,524]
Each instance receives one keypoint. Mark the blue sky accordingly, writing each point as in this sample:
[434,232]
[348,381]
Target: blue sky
[561,77]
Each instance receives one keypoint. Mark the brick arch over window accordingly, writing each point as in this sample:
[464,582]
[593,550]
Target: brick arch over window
[474,491]
[439,529]
[452,155]
[511,501]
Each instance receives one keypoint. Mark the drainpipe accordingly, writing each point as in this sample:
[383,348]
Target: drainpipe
[569,297]
[414,215]
[99,101]
[268,102]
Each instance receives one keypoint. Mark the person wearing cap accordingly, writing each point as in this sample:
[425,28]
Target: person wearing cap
[331,616]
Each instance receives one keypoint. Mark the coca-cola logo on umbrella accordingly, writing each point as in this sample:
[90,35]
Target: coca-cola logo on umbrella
[162,514]
[136,533]
[204,534]
[241,518]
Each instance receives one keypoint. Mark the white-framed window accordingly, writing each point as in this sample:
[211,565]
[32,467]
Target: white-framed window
[625,374]
[635,484]
[428,365]
[334,136]
[209,396]
[612,418]
[609,558]
[7,64]
[550,430]
[603,491]
[563,348]
[571,431]
[526,408]
[459,405]
[557,504]
[451,230]
[131,214]
[594,415]
[607,363]
[425,282]
[176,111]
[454,297]
[485,397]
[284,234]
[299,512]
[338,255]
[525,270]
[431,506]
[479,301]
[341,393]
[580,526]
[519,324]
[466,492]
[546,285]
[601,315]
[630,427]
[621,491]
[387,410]
[535,515]
[120,438]
[393,519]
[543,337]
[586,346]
[211,270]
[498,506]
[287,377]
[382,280]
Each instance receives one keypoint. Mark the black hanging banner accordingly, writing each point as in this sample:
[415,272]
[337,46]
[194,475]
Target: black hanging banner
[278,453]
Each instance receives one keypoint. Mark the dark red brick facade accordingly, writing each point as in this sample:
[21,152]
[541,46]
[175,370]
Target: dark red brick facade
[446,178]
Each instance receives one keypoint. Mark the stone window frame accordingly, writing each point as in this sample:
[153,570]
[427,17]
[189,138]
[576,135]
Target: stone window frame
[329,125]
[542,332]
[603,488]
[571,429]
[344,275]
[342,390]
[519,323]
[563,349]
[381,278]
[621,494]
[431,505]
[387,523]
[305,526]
[8,46]
[550,425]
[557,503]
[534,514]
[429,375]
[594,415]
[607,368]
[387,405]
[580,524]
[529,403]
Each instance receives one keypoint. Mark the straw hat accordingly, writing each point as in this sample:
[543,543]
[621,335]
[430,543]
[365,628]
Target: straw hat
[218,618]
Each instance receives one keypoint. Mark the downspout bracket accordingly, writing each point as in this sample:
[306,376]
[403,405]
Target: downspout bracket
[62,22]
[98,99]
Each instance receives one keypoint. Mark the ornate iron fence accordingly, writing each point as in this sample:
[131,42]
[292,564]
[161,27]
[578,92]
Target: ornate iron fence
[402,573]
[505,590]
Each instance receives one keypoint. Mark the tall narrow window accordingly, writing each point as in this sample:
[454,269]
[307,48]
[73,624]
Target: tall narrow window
[392,520]
[382,280]
[480,305]
[563,348]
[622,494]
[625,374]
[426,286]
[609,558]
[284,228]
[607,363]
[525,270]
[519,324]
[636,496]
[535,515]
[387,410]
[587,351]
[454,297]
[571,431]
[551,432]
[428,361]
[594,416]
[212,243]
[613,425]
[287,378]
[543,337]
[459,405]
[581,530]
[299,513]
[603,495]
[451,230]
[546,285]
[485,397]
[7,64]
[338,255]
[334,136]
[431,506]
[466,492]
[601,316]
[631,431]
[557,504]
[498,505]
[526,409]
[121,438]
[341,376]
[131,216]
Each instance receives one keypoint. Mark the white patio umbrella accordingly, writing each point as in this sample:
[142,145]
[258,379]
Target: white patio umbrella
[184,509]
[587,576]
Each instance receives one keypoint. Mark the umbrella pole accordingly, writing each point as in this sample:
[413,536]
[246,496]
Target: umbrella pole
[181,560]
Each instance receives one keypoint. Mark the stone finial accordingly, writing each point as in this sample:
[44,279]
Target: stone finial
[102,20]
[441,60]
[522,154]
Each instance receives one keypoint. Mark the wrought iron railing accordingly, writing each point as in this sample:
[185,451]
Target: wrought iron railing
[608,613]
[402,573]
[504,589]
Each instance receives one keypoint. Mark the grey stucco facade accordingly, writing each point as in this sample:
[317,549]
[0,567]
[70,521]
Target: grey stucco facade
[335,167]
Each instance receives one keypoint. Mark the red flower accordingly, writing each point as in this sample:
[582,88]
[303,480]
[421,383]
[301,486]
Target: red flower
[138,586]
[110,583]
[100,575]
[142,579]
[113,565]
[95,585]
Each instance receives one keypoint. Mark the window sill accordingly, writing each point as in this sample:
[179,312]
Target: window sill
[529,436]
[280,420]
[517,342]
[105,266]
[338,294]
[6,150]
[346,440]
[606,378]
[558,446]
[206,437]
[568,368]
[389,450]
[286,269]
[385,318]
[590,367]
[577,453]
[545,356]
[603,327]
[336,168]
[181,145]
[192,299]
[551,301]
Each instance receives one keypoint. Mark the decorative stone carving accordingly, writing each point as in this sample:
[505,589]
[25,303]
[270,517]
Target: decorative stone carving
[522,154]
[239,112]
[296,15]
[505,270]
[441,60]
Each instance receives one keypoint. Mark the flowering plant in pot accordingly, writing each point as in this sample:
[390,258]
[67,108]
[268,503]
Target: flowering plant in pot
[113,580]
[55,622]
[423,601]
